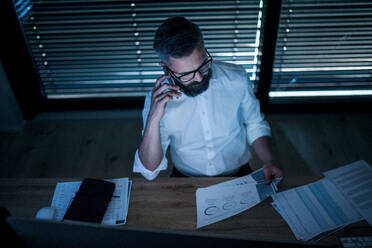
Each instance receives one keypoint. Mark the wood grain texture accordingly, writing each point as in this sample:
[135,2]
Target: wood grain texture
[170,204]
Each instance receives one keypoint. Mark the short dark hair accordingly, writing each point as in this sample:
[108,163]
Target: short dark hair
[177,37]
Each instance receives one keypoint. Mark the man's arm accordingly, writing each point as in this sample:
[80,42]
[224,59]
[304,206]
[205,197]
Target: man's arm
[262,148]
[150,151]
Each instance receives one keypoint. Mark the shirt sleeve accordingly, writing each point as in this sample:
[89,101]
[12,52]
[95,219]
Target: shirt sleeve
[138,166]
[253,119]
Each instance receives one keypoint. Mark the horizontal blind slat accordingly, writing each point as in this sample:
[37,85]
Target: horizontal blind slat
[104,48]
[323,44]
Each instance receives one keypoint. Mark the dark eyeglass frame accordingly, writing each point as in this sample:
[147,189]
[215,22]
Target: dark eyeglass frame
[209,60]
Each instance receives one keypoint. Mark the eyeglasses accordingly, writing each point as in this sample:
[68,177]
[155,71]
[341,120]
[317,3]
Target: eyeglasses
[188,76]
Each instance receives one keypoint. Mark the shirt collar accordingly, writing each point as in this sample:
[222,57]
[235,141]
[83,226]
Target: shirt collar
[213,77]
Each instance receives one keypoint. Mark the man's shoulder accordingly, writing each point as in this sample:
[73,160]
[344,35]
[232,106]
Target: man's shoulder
[225,66]
[230,75]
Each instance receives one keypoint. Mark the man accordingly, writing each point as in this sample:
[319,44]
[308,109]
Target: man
[204,110]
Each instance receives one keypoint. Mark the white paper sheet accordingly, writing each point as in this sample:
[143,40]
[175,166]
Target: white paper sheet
[315,209]
[223,200]
[355,181]
[117,209]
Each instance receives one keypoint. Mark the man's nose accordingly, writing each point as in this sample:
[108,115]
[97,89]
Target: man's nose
[198,77]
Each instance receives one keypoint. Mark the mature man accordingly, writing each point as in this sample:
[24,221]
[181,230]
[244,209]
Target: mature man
[204,110]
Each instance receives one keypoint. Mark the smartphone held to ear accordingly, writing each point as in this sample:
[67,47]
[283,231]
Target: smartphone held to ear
[169,80]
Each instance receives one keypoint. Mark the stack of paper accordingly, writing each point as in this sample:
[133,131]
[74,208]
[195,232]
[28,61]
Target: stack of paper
[355,182]
[343,197]
[117,210]
[223,200]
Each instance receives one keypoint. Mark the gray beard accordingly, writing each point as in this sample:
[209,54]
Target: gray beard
[195,88]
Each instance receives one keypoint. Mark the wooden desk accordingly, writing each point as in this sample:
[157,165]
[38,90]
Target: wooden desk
[169,203]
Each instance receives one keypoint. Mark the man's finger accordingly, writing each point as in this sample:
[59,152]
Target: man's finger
[166,99]
[268,176]
[160,89]
[277,173]
[268,179]
[172,94]
[159,81]
[167,89]
[159,97]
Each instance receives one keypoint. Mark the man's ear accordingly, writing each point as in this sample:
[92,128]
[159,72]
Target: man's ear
[161,64]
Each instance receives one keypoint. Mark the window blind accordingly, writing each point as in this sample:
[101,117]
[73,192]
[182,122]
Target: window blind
[23,9]
[324,48]
[102,48]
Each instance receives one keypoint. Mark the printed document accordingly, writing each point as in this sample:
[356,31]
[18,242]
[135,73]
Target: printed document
[223,200]
[343,197]
[355,181]
[315,209]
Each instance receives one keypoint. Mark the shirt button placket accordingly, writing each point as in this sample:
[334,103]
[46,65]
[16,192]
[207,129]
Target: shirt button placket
[205,123]
[207,136]
[209,168]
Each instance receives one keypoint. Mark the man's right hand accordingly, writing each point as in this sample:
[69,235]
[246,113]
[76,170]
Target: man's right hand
[160,98]
[150,151]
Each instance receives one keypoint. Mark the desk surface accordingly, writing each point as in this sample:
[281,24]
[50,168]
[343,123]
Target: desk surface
[169,203]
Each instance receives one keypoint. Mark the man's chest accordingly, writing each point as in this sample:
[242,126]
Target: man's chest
[211,116]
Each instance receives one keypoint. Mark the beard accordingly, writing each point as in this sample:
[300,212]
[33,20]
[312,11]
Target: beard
[195,88]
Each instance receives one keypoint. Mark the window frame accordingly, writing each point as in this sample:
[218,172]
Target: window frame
[27,85]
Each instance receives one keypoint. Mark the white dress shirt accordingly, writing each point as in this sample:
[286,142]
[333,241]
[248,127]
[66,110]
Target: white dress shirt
[209,134]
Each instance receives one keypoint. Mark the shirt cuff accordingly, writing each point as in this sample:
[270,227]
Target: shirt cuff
[146,173]
[258,132]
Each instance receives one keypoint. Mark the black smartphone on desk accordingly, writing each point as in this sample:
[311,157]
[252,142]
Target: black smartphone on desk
[91,201]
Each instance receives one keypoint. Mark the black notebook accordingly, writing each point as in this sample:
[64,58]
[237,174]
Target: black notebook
[91,201]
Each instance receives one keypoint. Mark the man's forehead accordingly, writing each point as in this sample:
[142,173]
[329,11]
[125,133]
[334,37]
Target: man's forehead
[187,63]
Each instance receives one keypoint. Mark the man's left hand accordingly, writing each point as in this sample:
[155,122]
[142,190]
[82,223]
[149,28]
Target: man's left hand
[271,171]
